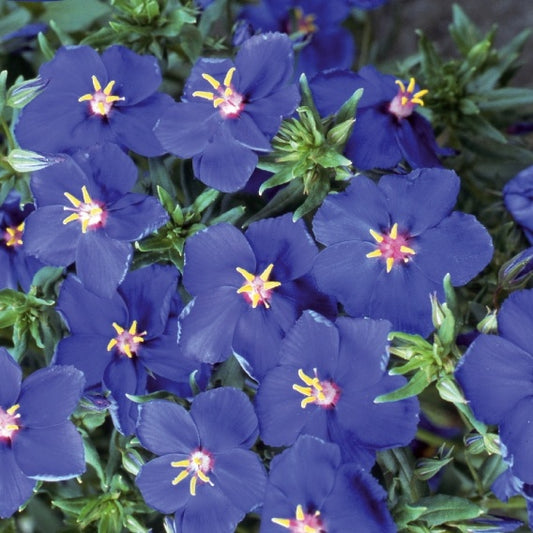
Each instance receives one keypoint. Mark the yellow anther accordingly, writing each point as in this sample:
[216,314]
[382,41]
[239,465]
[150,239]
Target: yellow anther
[377,236]
[204,94]
[400,83]
[85,97]
[306,401]
[411,86]
[14,235]
[313,382]
[246,275]
[228,91]
[192,486]
[180,464]
[217,101]
[299,513]
[214,83]
[96,83]
[306,391]
[72,199]
[112,98]
[13,409]
[109,88]
[133,328]
[266,273]
[101,108]
[180,477]
[404,100]
[228,77]
[111,344]
[203,477]
[256,298]
[117,328]
[283,522]
[394,231]
[86,197]
[127,351]
[407,250]
[375,253]
[12,427]
[390,263]
[70,218]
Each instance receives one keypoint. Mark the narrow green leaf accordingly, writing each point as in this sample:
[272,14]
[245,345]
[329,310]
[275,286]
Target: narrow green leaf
[443,509]
[414,387]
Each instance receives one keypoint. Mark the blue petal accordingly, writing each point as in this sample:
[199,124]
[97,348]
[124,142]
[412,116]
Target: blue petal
[155,483]
[224,153]
[184,129]
[515,320]
[259,75]
[459,245]
[215,67]
[283,242]
[332,88]
[137,76]
[207,325]
[101,262]
[47,238]
[351,215]
[50,395]
[212,257]
[417,142]
[51,453]
[516,432]
[495,375]
[15,487]
[421,199]
[11,379]
[88,353]
[133,125]
[239,427]
[241,476]
[134,216]
[166,427]
[244,130]
[95,316]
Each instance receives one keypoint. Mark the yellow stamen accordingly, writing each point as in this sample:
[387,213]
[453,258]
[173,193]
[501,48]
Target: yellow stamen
[400,83]
[283,522]
[109,88]
[12,427]
[204,94]
[96,83]
[217,101]
[245,274]
[181,464]
[112,98]
[192,486]
[407,250]
[256,297]
[203,477]
[85,97]
[228,77]
[420,94]
[266,273]
[13,409]
[300,513]
[390,263]
[180,477]
[72,199]
[375,253]
[133,328]
[111,344]
[86,197]
[70,218]
[127,350]
[411,86]
[394,231]
[305,401]
[101,108]
[117,328]
[377,236]
[306,391]
[214,83]
[404,100]
[313,382]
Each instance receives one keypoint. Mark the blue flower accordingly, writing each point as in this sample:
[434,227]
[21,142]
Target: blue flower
[387,130]
[231,110]
[366,4]
[496,375]
[248,291]
[117,342]
[315,29]
[91,99]
[310,490]
[16,267]
[325,384]
[86,215]
[518,198]
[37,441]
[389,246]
[205,472]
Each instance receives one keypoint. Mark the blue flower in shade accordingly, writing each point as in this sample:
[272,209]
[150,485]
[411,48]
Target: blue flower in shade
[206,473]
[366,4]
[86,215]
[92,99]
[389,246]
[249,290]
[117,342]
[37,441]
[231,110]
[387,130]
[315,29]
[311,490]
[518,198]
[16,267]
[325,384]
[496,374]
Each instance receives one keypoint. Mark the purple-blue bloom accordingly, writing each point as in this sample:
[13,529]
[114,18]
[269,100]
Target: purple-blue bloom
[16,267]
[325,384]
[206,474]
[315,29]
[119,341]
[87,215]
[387,130]
[248,291]
[389,246]
[311,490]
[496,376]
[91,99]
[231,110]
[37,441]
[518,198]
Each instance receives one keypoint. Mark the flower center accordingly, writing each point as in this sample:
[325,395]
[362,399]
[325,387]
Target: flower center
[198,465]
[9,423]
[126,342]
[303,522]
[13,235]
[325,393]
[101,101]
[90,212]
[304,24]
[403,103]
[226,99]
[392,247]
[257,289]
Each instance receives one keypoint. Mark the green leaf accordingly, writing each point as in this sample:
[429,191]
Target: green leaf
[45,47]
[331,159]
[443,509]
[414,387]
[504,98]
[339,134]
[92,458]
[464,33]
[3,78]
[430,61]
[476,125]
[307,99]
[204,200]
[348,109]
[315,198]
[229,374]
